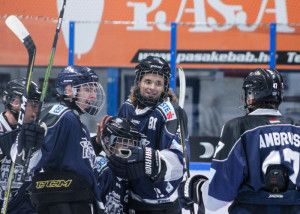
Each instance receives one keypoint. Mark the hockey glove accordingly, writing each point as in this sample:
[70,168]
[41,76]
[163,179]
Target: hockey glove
[100,127]
[155,167]
[192,188]
[135,164]
[31,137]
[141,162]
[131,167]
[118,165]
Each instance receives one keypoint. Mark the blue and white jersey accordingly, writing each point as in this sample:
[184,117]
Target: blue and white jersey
[160,125]
[248,145]
[19,201]
[114,190]
[67,146]
[4,125]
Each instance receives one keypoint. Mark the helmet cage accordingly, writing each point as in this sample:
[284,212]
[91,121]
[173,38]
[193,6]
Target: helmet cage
[80,77]
[151,101]
[120,137]
[92,103]
[119,146]
[152,65]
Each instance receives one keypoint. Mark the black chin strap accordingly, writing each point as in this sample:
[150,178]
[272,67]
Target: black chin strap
[71,103]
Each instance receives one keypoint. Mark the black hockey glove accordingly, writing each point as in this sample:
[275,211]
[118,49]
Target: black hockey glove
[31,136]
[141,162]
[118,165]
[131,167]
[155,167]
[135,164]
[192,188]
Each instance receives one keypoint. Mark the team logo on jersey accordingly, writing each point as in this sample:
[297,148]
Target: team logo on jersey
[88,151]
[159,194]
[113,203]
[57,109]
[100,163]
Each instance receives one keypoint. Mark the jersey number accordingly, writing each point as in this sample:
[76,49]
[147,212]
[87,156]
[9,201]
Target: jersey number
[289,155]
[152,123]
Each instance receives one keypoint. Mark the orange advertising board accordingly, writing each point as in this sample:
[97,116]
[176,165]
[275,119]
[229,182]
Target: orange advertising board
[118,33]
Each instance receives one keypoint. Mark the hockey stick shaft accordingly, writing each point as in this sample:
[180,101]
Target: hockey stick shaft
[182,120]
[46,78]
[52,54]
[182,88]
[16,26]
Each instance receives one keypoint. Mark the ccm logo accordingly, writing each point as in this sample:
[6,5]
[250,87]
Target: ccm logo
[209,150]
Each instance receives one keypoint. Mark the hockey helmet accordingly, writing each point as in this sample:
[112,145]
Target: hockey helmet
[119,136]
[16,88]
[152,65]
[263,86]
[80,77]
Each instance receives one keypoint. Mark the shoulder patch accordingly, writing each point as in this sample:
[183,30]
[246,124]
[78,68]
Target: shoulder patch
[57,109]
[52,114]
[168,110]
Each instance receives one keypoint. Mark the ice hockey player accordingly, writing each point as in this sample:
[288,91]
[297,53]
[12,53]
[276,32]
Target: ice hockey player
[119,138]
[255,165]
[19,199]
[155,171]
[65,179]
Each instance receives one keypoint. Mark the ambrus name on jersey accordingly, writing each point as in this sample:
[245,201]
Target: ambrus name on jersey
[279,139]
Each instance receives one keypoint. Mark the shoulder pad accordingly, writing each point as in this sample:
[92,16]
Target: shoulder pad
[167,110]
[52,114]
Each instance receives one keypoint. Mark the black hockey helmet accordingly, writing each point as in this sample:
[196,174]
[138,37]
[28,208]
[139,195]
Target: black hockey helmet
[15,88]
[263,87]
[119,136]
[153,65]
[77,76]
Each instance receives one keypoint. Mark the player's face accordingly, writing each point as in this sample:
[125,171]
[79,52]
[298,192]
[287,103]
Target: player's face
[31,111]
[152,86]
[87,95]
[16,104]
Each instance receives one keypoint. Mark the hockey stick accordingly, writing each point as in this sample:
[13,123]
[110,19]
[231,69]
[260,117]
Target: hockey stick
[46,79]
[19,27]
[52,54]
[182,115]
[16,26]
[182,84]
[182,123]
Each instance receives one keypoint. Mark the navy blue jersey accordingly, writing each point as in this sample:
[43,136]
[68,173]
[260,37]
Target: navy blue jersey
[67,146]
[19,201]
[114,190]
[160,126]
[248,145]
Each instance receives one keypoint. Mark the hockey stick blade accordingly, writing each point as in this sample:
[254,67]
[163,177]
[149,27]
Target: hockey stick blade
[182,88]
[16,26]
